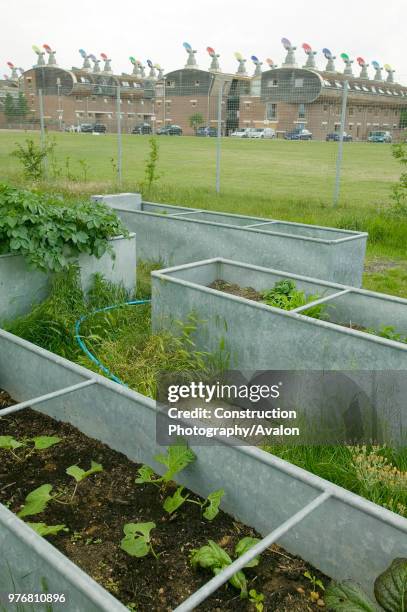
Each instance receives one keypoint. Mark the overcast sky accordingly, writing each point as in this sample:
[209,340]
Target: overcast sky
[373,29]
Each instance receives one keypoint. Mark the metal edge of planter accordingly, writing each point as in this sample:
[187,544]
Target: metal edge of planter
[164,276]
[336,537]
[351,234]
[257,230]
[31,286]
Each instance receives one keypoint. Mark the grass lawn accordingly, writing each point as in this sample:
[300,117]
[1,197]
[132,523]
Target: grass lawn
[274,179]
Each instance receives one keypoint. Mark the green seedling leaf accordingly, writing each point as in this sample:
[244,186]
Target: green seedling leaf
[136,541]
[173,502]
[10,443]
[43,442]
[36,501]
[390,588]
[238,580]
[243,546]
[43,529]
[146,474]
[348,596]
[79,474]
[176,459]
[213,501]
[210,556]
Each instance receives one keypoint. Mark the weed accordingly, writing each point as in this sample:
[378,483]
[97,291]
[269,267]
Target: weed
[256,599]
[150,170]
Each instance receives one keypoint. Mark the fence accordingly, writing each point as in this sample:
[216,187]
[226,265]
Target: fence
[267,129]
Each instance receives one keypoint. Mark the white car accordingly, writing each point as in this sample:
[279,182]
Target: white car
[240,133]
[261,133]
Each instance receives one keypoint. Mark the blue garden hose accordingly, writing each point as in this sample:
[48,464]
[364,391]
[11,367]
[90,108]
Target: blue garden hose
[85,349]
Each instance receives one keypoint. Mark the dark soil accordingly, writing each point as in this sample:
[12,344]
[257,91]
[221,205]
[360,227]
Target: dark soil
[107,500]
[246,292]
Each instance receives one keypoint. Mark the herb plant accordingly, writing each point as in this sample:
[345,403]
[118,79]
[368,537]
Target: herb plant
[214,557]
[50,235]
[137,539]
[286,296]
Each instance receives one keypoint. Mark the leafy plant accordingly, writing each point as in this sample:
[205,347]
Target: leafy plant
[40,443]
[214,557]
[256,599]
[399,191]
[284,295]
[137,539]
[43,529]
[177,458]
[79,474]
[389,332]
[390,589]
[316,583]
[50,235]
[36,501]
[32,157]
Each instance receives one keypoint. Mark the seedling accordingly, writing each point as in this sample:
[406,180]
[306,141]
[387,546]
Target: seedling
[210,505]
[43,529]
[176,459]
[36,501]
[256,599]
[40,443]
[137,540]
[79,474]
[213,557]
[316,583]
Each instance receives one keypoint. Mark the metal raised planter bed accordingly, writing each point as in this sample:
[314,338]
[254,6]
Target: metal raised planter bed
[22,286]
[260,337]
[359,539]
[178,235]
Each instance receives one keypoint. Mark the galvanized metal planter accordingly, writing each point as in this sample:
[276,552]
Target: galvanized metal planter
[260,337]
[22,286]
[178,235]
[338,532]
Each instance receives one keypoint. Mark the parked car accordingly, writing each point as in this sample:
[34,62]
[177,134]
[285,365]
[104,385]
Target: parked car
[170,130]
[334,136]
[261,133]
[85,127]
[100,128]
[142,128]
[297,134]
[240,133]
[379,136]
[207,131]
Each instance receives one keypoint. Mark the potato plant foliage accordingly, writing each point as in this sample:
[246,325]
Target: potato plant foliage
[50,234]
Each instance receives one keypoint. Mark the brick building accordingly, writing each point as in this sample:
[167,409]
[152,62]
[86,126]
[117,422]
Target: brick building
[283,98]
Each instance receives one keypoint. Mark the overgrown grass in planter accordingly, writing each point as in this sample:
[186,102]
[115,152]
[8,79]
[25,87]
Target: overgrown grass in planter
[50,234]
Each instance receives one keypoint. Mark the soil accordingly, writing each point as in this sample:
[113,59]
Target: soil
[246,292]
[105,501]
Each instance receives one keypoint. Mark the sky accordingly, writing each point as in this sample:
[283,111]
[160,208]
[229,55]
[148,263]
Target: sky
[372,29]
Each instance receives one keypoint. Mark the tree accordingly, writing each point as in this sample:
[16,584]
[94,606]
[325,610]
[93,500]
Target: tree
[196,120]
[22,105]
[9,108]
[403,118]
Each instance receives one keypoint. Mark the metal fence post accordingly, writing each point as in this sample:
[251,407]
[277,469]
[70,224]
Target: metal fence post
[340,143]
[219,137]
[42,129]
[119,137]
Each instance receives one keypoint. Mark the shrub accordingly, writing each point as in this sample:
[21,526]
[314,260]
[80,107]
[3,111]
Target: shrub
[32,158]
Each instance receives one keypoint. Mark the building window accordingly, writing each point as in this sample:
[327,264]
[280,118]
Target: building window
[325,108]
[272,83]
[350,110]
[271,111]
[170,84]
[197,83]
[298,82]
[301,111]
